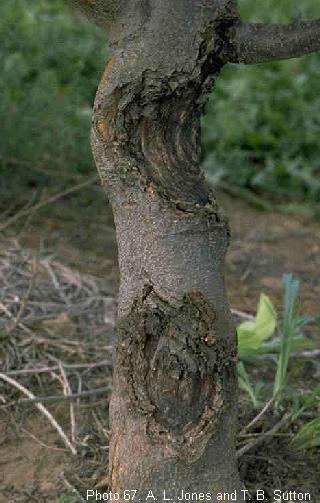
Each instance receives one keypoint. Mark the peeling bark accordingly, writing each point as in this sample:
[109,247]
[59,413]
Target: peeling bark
[177,371]
[174,399]
[173,408]
[173,405]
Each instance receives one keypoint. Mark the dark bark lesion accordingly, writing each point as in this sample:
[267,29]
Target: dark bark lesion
[152,127]
[177,371]
[174,397]
[174,381]
[150,100]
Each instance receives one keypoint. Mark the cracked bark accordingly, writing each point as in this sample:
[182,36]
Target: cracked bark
[173,408]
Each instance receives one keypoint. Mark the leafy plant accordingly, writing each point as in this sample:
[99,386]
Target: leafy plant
[290,328]
[251,334]
[263,338]
[261,131]
[245,383]
[308,435]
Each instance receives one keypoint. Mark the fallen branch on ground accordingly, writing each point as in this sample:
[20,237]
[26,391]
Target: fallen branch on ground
[71,366]
[62,398]
[264,436]
[42,409]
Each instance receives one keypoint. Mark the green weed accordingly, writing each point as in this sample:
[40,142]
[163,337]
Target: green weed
[69,497]
[266,339]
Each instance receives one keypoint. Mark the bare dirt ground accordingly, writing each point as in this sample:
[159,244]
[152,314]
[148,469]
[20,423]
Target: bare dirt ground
[265,246]
[35,466]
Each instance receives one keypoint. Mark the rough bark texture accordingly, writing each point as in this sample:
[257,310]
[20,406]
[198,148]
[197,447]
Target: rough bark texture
[173,409]
[259,42]
[173,404]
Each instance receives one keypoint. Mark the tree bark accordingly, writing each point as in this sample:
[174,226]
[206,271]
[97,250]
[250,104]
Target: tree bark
[173,409]
[260,43]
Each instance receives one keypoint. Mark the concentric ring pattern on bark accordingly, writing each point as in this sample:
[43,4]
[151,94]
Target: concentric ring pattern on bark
[175,368]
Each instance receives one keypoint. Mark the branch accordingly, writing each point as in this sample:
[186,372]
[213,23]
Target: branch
[42,409]
[259,43]
[264,436]
[52,199]
[62,398]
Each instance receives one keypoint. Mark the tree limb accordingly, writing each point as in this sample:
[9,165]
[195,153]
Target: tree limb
[259,43]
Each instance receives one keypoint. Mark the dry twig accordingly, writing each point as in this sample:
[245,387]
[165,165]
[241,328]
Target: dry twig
[42,409]
[264,436]
[62,398]
[242,314]
[26,211]
[258,416]
[314,353]
[71,366]
[25,298]
[67,391]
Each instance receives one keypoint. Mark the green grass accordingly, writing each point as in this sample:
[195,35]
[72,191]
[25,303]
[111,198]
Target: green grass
[69,498]
[269,341]
[261,132]
[272,338]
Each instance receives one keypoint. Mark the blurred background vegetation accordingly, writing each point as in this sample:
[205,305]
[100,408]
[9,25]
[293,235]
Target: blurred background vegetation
[261,133]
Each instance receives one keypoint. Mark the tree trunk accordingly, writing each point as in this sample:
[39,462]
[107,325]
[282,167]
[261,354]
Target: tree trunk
[173,409]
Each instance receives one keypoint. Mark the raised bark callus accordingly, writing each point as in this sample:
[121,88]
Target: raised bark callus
[173,404]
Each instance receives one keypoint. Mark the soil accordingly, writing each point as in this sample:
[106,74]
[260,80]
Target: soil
[28,468]
[264,246]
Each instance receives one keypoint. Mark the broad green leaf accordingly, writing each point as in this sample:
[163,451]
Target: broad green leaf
[251,334]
